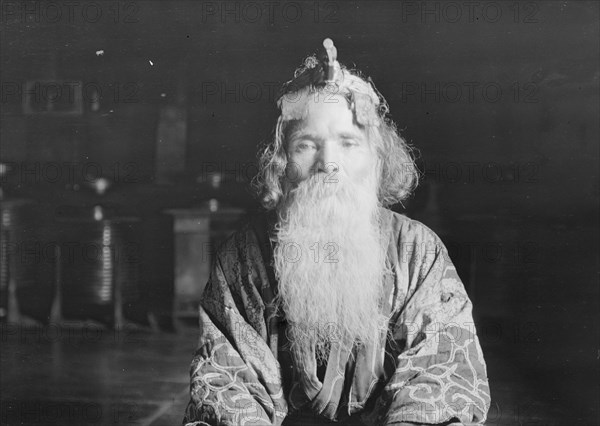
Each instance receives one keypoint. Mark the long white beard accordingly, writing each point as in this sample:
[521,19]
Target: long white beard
[330,262]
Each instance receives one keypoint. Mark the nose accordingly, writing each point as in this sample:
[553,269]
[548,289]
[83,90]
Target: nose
[328,160]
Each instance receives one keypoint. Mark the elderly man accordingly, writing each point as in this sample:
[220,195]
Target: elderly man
[330,307]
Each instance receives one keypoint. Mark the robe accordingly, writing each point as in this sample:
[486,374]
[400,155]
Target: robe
[427,369]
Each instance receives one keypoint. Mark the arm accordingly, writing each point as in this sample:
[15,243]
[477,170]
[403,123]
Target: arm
[440,375]
[234,376]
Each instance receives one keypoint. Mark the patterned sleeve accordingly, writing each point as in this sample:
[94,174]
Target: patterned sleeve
[234,377]
[440,375]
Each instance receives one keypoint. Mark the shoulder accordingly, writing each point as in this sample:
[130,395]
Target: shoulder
[423,257]
[251,233]
[407,230]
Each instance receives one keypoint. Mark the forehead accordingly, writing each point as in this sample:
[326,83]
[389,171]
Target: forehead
[334,106]
[324,113]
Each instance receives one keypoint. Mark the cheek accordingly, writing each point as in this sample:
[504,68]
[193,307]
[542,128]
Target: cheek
[298,167]
[361,166]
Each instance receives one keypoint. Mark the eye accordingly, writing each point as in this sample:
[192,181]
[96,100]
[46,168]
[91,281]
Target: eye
[349,143]
[304,146]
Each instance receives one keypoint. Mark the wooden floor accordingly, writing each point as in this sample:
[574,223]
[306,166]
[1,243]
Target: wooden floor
[92,376]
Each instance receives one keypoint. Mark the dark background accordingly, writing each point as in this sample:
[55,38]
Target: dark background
[510,169]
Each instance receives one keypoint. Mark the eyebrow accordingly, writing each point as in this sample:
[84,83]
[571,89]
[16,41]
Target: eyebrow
[349,135]
[300,134]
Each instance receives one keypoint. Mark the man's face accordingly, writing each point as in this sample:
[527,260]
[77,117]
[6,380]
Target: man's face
[326,140]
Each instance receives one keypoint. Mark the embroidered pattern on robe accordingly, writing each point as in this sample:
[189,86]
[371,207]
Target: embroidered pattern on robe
[428,369]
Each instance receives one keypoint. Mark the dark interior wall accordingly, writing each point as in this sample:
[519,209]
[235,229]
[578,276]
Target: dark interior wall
[503,109]
[441,80]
